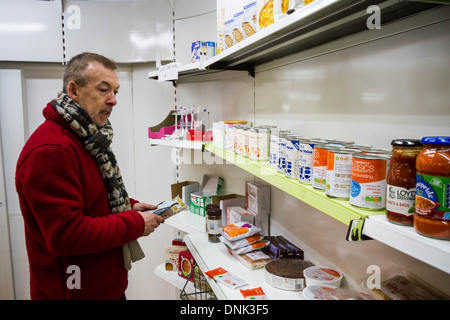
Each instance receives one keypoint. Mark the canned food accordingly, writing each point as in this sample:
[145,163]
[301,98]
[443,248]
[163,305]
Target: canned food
[281,165]
[368,185]
[306,161]
[263,144]
[292,156]
[239,138]
[274,133]
[320,156]
[259,144]
[229,131]
[245,144]
[339,172]
[336,142]
[252,143]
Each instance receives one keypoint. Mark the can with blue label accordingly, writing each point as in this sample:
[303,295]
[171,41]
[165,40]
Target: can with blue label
[292,156]
[306,160]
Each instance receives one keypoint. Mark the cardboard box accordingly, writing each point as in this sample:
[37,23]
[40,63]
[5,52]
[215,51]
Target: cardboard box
[239,214]
[184,189]
[257,200]
[186,263]
[202,50]
[229,200]
[172,254]
[200,199]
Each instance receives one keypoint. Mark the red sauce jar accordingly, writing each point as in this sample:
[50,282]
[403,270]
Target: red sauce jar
[432,216]
[401,181]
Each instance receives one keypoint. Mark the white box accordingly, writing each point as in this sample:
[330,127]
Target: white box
[239,214]
[257,200]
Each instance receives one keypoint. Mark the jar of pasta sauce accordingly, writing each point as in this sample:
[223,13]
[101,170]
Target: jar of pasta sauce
[401,181]
[432,216]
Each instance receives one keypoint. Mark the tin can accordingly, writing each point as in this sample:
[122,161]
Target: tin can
[281,164]
[320,155]
[244,142]
[263,144]
[306,161]
[339,172]
[229,132]
[274,134]
[292,156]
[253,143]
[368,185]
[339,143]
[238,132]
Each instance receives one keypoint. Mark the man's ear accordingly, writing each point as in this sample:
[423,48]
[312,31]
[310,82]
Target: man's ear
[72,90]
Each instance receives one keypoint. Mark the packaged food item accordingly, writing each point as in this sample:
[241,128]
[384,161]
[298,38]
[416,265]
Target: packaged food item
[292,156]
[432,215]
[228,279]
[239,230]
[317,292]
[249,22]
[172,254]
[186,263]
[280,247]
[320,155]
[368,180]
[286,274]
[401,181]
[229,132]
[243,242]
[306,160]
[400,288]
[257,200]
[339,172]
[320,275]
[220,9]
[254,294]
[266,15]
[252,247]
[213,224]
[281,165]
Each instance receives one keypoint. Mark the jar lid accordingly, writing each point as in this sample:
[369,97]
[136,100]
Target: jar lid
[214,212]
[406,142]
[436,140]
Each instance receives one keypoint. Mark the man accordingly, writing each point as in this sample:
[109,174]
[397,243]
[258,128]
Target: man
[80,225]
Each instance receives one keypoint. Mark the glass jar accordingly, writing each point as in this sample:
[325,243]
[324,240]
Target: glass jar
[213,224]
[432,216]
[401,181]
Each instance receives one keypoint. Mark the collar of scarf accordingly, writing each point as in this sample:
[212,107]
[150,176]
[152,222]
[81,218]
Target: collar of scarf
[97,141]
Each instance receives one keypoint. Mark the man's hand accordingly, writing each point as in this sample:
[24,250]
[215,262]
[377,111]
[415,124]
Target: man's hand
[152,221]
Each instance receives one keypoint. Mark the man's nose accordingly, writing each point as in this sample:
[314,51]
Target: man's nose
[112,99]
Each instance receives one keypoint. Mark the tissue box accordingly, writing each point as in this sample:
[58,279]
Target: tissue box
[200,199]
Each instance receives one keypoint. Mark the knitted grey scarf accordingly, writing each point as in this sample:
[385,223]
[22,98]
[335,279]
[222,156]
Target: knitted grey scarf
[97,141]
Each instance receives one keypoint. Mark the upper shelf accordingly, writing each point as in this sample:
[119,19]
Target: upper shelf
[319,22]
[338,209]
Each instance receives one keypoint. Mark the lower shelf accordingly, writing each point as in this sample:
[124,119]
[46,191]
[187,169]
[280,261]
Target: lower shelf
[213,255]
[405,239]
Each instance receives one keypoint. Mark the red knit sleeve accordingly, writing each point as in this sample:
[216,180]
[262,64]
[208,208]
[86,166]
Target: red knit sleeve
[52,191]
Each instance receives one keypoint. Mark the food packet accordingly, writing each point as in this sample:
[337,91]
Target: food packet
[254,294]
[228,279]
[239,230]
[241,243]
[253,246]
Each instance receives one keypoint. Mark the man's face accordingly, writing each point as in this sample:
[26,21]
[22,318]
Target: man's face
[98,97]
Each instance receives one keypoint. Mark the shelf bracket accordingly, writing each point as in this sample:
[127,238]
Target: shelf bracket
[354,231]
[250,68]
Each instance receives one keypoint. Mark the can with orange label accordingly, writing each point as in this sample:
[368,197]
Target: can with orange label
[368,185]
[319,177]
[339,172]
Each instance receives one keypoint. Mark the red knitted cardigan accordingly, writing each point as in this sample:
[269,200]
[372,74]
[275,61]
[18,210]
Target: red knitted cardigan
[68,221]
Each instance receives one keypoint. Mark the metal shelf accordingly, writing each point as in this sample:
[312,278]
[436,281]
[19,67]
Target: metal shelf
[318,23]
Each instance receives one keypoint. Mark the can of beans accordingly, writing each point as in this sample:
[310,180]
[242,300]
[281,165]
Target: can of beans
[339,172]
[368,184]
